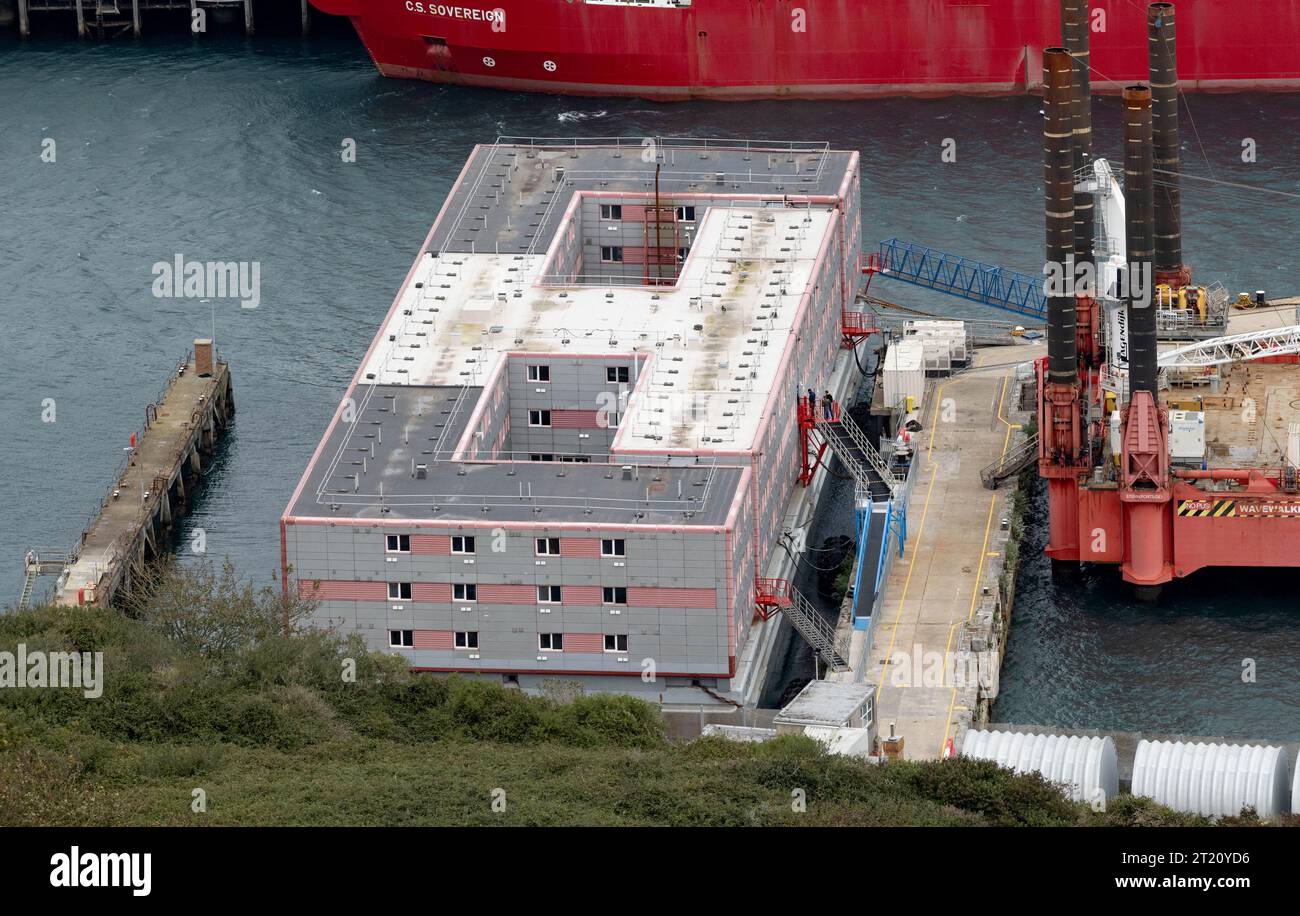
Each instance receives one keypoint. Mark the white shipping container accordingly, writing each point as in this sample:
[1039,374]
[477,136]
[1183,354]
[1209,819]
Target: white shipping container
[952,331]
[937,352]
[1187,435]
[904,373]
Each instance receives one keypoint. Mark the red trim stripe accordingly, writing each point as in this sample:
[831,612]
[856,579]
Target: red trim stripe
[582,595]
[580,547]
[574,419]
[438,545]
[431,591]
[507,594]
[584,642]
[432,639]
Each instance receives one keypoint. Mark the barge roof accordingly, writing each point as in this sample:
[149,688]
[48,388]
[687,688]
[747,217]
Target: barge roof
[368,470]
[713,341]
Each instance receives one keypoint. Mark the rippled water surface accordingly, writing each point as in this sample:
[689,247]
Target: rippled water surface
[228,149]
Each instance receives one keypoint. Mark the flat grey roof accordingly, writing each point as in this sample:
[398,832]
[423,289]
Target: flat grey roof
[825,703]
[511,199]
[367,470]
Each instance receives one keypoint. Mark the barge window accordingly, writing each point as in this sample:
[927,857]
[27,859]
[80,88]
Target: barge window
[615,642]
[401,639]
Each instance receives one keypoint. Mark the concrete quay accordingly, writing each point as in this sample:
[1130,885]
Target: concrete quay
[935,650]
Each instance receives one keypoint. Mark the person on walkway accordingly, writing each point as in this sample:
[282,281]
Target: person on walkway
[812,399]
[828,406]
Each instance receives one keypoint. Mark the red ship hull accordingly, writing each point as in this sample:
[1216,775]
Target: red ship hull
[807,48]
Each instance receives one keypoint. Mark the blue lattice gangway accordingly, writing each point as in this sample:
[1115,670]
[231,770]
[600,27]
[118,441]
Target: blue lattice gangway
[963,277]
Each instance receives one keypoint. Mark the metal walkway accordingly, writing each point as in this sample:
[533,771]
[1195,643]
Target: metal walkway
[779,595]
[1010,464]
[29,585]
[949,273]
[849,443]
[41,561]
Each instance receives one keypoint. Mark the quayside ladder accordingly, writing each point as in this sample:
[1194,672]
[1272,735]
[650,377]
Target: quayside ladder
[41,561]
[778,595]
[1010,464]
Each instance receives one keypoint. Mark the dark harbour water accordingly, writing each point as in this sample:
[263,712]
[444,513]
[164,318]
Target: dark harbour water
[228,149]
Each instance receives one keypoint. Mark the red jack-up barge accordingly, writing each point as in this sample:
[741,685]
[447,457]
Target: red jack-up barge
[1192,462]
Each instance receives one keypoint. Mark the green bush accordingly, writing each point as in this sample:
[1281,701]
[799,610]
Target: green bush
[307,727]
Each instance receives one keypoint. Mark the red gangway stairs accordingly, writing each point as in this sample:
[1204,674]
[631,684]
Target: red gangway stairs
[773,595]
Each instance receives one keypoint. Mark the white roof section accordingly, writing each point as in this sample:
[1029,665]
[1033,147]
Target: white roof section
[826,703]
[713,342]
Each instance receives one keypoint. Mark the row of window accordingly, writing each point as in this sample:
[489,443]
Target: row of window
[617,374]
[542,418]
[615,211]
[546,594]
[542,547]
[468,639]
[613,254]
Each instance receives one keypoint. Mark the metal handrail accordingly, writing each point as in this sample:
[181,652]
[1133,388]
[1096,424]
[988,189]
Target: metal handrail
[859,438]
[814,628]
[757,146]
[1014,461]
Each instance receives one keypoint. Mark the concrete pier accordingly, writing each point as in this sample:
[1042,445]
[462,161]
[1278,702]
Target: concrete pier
[953,559]
[181,431]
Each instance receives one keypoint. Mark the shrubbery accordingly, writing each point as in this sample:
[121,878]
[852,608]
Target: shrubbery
[272,730]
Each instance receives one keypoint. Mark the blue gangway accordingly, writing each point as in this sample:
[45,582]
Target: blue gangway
[963,277]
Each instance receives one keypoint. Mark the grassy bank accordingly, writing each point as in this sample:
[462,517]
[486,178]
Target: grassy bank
[205,699]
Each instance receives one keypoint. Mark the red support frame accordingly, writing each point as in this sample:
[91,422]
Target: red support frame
[811,446]
[770,595]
